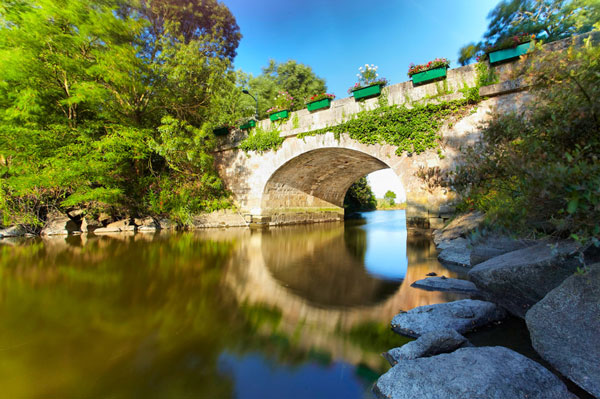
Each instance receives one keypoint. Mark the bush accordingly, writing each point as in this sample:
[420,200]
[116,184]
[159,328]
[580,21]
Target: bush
[538,170]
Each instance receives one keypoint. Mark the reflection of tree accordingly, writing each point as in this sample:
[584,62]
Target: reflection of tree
[115,319]
[355,240]
[328,273]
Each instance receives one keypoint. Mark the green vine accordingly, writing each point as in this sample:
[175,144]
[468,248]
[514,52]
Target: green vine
[413,130]
[261,140]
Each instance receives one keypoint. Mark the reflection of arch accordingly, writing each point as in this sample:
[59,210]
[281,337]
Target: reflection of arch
[325,269]
[318,178]
[252,282]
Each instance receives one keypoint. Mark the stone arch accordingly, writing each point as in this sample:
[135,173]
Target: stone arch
[312,184]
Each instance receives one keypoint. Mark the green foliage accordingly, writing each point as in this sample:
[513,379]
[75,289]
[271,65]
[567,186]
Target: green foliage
[412,130]
[360,197]
[261,140]
[538,170]
[101,100]
[297,79]
[390,197]
[471,94]
[485,76]
[548,20]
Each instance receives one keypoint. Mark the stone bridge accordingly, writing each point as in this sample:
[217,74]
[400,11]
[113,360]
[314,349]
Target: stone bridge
[305,180]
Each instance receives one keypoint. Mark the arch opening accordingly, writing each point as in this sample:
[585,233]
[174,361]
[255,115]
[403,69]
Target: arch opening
[311,187]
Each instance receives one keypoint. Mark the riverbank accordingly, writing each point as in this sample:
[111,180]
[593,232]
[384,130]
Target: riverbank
[539,281]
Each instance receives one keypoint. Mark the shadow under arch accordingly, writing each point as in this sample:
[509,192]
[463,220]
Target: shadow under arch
[316,180]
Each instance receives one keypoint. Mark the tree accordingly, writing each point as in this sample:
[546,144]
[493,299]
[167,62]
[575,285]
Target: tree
[88,120]
[390,197]
[186,21]
[297,79]
[360,197]
[549,20]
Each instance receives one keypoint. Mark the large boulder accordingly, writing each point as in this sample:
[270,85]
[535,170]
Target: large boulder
[565,329]
[59,224]
[446,284]
[429,344]
[461,226]
[492,246]
[462,316]
[519,279]
[487,372]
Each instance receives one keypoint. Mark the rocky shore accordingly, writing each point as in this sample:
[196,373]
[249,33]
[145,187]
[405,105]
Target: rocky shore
[77,223]
[540,281]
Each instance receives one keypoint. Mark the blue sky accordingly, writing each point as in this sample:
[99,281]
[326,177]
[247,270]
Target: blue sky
[335,37]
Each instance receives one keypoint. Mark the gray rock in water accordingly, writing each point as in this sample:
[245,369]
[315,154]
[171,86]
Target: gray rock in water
[488,372]
[456,251]
[493,246]
[462,316]
[13,231]
[429,344]
[565,329]
[446,284]
[519,279]
[59,225]
[461,226]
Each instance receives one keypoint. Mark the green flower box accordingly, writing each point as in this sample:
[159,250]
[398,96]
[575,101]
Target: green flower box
[319,104]
[279,115]
[428,76]
[248,125]
[509,53]
[221,131]
[369,91]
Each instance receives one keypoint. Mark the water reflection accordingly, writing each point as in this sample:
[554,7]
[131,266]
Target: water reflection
[214,314]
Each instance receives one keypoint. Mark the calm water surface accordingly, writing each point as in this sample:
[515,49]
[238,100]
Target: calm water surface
[294,312]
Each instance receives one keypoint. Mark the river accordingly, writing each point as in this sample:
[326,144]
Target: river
[289,312]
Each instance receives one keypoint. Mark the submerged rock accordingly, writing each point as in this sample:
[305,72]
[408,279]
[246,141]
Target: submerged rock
[462,316]
[519,279]
[429,344]
[565,329]
[446,284]
[488,372]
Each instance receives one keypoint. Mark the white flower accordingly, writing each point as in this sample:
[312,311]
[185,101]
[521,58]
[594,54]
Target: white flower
[376,74]
[367,65]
